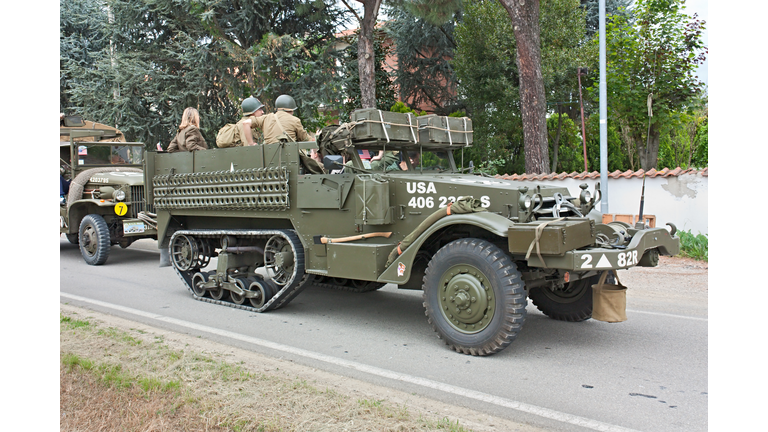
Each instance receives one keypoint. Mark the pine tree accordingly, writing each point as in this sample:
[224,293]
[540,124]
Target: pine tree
[424,76]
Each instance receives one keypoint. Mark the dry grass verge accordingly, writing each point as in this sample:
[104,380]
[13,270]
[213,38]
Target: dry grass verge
[132,379]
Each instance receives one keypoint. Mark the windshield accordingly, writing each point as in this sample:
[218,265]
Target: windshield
[100,154]
[391,161]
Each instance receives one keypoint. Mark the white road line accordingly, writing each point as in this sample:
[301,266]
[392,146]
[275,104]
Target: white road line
[668,315]
[372,370]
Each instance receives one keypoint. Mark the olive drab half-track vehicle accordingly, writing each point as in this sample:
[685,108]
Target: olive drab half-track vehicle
[276,220]
[102,189]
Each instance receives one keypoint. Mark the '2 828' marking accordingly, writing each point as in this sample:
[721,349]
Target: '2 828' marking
[624,259]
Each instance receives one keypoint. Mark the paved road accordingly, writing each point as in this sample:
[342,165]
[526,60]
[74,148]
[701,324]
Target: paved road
[646,374]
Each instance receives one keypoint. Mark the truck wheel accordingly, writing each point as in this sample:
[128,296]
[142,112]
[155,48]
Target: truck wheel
[573,303]
[474,297]
[94,239]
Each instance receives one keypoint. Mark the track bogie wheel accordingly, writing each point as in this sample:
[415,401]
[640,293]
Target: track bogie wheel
[94,239]
[266,290]
[198,284]
[474,297]
[243,284]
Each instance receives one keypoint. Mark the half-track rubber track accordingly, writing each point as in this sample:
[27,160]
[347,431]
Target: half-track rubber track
[293,285]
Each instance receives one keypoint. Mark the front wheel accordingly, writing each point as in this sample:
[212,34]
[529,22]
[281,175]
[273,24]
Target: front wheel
[572,303]
[474,297]
[94,239]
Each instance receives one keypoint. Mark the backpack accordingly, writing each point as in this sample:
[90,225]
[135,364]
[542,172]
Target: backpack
[228,136]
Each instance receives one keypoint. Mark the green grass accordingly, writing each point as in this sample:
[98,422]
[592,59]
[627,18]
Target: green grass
[694,246]
[74,323]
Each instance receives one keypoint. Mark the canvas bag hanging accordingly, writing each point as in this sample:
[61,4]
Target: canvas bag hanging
[609,301]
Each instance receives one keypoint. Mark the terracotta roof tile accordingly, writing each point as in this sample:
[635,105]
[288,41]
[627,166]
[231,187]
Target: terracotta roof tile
[666,172]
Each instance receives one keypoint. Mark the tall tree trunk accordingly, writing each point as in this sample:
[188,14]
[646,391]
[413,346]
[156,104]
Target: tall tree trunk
[525,23]
[366,62]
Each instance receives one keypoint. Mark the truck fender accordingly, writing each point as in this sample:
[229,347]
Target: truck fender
[400,270]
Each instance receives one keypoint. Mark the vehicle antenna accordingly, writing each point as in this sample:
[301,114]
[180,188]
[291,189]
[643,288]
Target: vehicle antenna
[640,222]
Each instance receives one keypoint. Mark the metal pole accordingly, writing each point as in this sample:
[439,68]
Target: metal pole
[603,115]
[583,129]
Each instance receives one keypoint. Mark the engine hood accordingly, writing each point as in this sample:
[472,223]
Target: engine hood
[117,178]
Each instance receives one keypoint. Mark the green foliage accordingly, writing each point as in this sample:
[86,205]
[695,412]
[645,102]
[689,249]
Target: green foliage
[685,143]
[71,361]
[617,152]
[656,52]
[612,7]
[486,67]
[162,56]
[570,149]
[285,65]
[73,323]
[424,75]
[82,35]
[694,246]
[434,12]
[385,90]
[400,107]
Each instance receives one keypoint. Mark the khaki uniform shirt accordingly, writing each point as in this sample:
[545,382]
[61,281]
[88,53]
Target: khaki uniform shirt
[257,136]
[273,131]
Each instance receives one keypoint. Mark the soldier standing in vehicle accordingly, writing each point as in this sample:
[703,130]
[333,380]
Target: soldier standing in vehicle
[252,109]
[282,123]
[188,137]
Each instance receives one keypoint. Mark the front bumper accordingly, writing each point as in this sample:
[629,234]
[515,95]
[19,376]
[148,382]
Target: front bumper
[611,258]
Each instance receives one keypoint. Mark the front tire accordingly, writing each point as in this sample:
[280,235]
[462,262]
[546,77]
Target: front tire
[573,303]
[474,297]
[94,239]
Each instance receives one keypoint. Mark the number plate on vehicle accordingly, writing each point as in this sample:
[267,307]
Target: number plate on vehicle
[133,227]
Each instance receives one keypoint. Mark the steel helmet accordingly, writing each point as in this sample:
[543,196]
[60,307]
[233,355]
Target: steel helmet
[251,105]
[285,102]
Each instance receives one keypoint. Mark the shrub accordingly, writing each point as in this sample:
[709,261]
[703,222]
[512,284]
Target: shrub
[694,246]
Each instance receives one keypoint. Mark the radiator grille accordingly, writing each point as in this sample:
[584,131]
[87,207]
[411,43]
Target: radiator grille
[139,202]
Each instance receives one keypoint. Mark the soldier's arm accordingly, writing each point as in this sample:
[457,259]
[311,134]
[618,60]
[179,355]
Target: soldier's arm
[301,134]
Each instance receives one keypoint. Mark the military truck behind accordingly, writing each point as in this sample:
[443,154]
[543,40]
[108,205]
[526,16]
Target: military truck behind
[276,222]
[103,201]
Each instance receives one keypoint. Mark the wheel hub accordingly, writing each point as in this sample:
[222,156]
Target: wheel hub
[89,240]
[466,299]
[284,259]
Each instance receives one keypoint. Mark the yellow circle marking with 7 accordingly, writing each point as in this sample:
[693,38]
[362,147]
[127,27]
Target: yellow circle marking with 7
[121,209]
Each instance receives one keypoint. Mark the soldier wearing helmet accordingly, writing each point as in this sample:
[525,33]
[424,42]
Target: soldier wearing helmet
[252,109]
[282,124]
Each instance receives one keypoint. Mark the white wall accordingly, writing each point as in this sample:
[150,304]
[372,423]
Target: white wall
[682,200]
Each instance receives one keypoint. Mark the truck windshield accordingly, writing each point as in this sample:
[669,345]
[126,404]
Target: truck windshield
[100,154]
[390,161]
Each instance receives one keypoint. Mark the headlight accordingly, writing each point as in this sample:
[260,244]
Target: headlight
[525,202]
[120,195]
[584,196]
